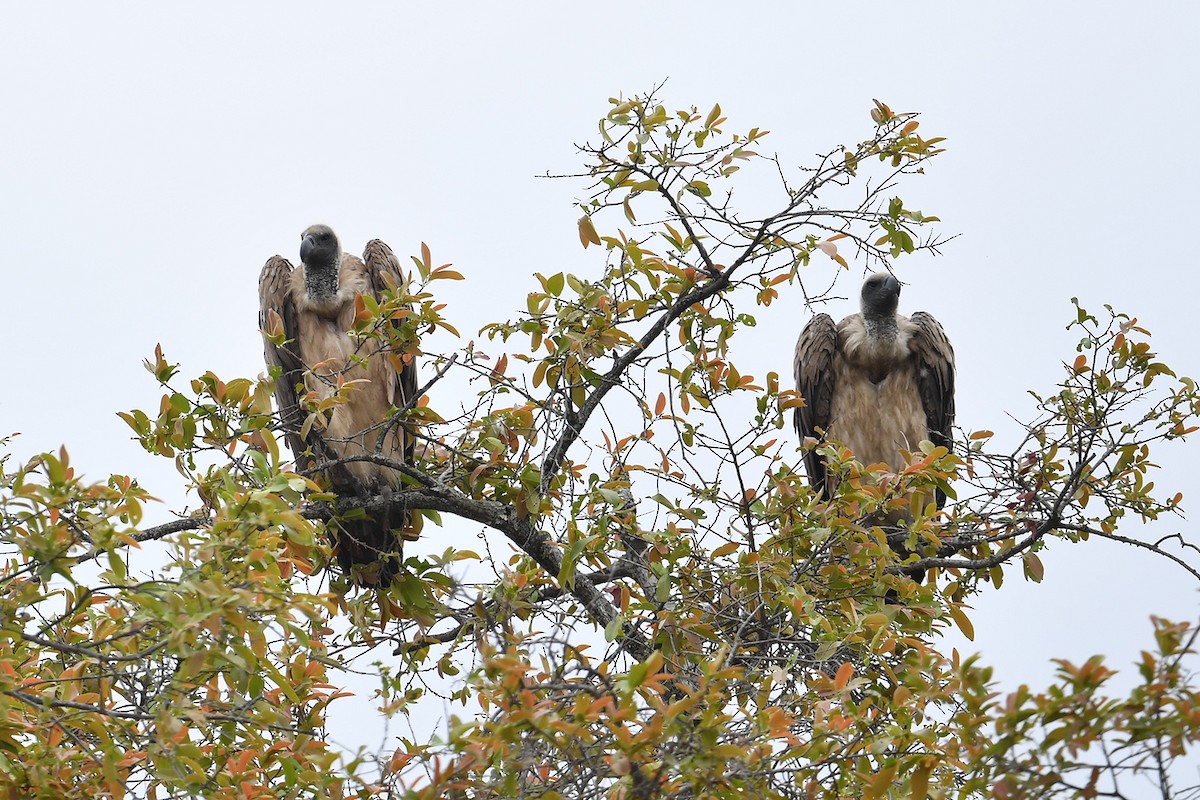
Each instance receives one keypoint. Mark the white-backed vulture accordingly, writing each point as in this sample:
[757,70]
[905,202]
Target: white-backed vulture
[313,306]
[878,382]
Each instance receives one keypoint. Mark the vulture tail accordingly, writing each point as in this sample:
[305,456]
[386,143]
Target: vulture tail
[370,550]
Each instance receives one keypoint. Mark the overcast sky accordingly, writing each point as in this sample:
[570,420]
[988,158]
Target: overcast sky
[152,158]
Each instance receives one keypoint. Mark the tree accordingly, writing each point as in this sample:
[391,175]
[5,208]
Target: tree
[682,616]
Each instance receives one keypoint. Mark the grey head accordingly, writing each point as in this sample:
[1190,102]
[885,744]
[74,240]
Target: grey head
[880,296]
[319,248]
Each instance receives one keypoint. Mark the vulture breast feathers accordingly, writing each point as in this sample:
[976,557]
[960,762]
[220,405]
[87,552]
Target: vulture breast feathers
[313,306]
[878,382]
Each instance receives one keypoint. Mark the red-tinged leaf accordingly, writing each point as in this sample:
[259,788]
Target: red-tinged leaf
[1080,363]
[329,364]
[1033,566]
[587,232]
[844,674]
[238,763]
[725,549]
[981,435]
[661,405]
[426,256]
[398,761]
[830,249]
[837,236]
[909,128]
[446,274]
[361,314]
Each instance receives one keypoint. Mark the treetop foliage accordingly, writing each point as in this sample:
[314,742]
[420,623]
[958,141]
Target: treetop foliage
[658,604]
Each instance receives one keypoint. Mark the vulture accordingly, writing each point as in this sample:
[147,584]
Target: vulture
[877,382]
[314,308]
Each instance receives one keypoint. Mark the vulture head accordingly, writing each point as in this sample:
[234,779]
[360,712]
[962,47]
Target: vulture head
[319,247]
[322,256]
[880,296]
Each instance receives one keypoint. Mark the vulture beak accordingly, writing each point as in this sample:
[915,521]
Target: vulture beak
[891,287]
[306,248]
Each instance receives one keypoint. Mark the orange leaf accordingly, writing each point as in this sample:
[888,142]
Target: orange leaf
[238,763]
[661,405]
[361,314]
[725,549]
[844,674]
[446,274]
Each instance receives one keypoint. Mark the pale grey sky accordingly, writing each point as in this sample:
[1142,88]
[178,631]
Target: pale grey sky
[153,156]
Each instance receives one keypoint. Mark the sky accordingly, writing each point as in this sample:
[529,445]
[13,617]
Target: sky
[153,156]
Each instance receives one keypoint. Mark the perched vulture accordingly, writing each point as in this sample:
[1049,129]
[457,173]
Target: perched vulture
[314,307]
[877,382]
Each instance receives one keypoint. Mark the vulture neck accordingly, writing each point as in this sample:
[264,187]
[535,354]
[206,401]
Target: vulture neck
[321,280]
[882,327]
[881,349]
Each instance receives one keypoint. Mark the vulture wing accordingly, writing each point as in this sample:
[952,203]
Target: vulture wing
[277,315]
[934,359]
[815,378]
[399,372]
[935,376]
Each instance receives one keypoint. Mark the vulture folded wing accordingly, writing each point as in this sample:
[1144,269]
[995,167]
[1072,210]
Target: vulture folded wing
[815,376]
[383,272]
[934,359]
[935,375]
[277,316]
